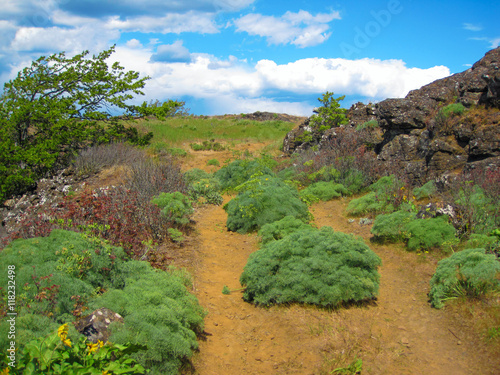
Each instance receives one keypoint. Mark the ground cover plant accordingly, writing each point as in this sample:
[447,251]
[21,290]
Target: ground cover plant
[469,273]
[57,354]
[66,273]
[263,200]
[319,267]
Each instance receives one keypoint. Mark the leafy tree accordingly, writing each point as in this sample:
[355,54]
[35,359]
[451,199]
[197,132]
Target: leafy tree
[57,106]
[330,114]
[161,110]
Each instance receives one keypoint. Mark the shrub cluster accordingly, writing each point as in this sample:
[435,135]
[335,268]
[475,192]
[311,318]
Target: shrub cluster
[239,171]
[280,229]
[263,200]
[66,273]
[468,273]
[385,196]
[430,233]
[203,185]
[320,267]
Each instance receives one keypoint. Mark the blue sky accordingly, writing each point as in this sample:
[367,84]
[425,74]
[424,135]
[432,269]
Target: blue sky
[240,56]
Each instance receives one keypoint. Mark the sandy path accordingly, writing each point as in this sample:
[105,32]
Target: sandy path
[399,334]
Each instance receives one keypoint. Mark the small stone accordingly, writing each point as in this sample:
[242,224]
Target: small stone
[398,310]
[216,324]
[459,342]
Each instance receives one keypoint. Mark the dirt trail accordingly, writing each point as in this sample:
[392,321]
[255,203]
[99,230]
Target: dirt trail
[397,334]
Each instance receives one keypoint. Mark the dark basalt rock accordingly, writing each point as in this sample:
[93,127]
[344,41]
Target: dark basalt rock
[411,139]
[96,325]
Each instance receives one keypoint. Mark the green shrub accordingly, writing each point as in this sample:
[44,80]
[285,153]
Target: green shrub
[261,201]
[468,273]
[477,211]
[279,229]
[354,180]
[203,185]
[239,171]
[320,267]
[383,197]
[372,124]
[158,312]
[196,174]
[53,269]
[214,162]
[391,226]
[429,233]
[175,206]
[207,146]
[368,203]
[426,190]
[490,243]
[64,273]
[452,109]
[330,114]
[324,191]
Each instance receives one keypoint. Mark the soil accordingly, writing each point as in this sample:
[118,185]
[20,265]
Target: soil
[399,333]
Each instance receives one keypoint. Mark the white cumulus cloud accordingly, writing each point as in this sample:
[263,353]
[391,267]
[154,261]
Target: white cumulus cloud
[301,28]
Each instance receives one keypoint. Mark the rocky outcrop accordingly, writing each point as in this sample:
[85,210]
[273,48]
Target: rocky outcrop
[413,138]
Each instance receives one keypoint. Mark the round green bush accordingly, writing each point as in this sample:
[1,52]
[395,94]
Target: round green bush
[239,171]
[261,201]
[390,227]
[468,273]
[429,233]
[319,267]
[281,228]
[175,206]
[324,191]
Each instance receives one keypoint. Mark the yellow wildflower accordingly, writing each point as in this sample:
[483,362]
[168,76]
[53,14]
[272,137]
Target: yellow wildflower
[67,342]
[100,343]
[62,331]
[92,348]
[105,372]
[5,371]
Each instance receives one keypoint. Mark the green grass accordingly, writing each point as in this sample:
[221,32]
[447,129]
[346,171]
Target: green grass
[176,130]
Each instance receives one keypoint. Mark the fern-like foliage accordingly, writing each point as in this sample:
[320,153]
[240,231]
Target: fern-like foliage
[263,200]
[468,273]
[159,312]
[279,229]
[319,267]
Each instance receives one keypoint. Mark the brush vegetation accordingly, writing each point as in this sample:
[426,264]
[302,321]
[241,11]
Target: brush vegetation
[320,267]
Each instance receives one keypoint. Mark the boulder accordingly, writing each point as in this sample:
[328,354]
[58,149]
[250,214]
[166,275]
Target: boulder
[96,325]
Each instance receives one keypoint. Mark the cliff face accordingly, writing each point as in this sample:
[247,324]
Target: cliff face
[414,136]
